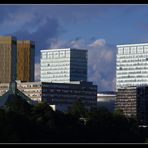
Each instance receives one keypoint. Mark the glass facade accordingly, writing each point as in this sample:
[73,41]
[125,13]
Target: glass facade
[63,65]
[131,65]
[25,60]
[8,51]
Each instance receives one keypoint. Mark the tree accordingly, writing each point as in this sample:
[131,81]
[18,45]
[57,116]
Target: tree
[78,109]
[43,114]
[118,112]
[17,104]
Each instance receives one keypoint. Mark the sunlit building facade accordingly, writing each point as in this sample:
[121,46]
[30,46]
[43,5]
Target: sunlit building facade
[63,65]
[25,60]
[8,59]
[132,65]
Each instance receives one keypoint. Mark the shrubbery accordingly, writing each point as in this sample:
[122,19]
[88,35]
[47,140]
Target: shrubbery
[22,122]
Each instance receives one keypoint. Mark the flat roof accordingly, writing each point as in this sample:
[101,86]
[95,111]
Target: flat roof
[60,49]
[125,45]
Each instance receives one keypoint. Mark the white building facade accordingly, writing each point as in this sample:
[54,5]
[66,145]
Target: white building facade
[63,65]
[132,65]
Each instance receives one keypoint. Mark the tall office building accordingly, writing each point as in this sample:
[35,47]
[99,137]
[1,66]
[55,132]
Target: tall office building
[8,59]
[63,65]
[132,65]
[25,60]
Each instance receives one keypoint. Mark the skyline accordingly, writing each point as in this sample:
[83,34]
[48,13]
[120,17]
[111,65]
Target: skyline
[95,27]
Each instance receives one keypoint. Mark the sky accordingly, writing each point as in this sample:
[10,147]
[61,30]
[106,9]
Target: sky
[95,27]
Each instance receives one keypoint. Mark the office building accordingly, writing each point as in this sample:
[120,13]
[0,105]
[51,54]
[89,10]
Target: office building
[142,105]
[25,60]
[106,99]
[63,65]
[132,65]
[60,96]
[126,100]
[8,59]
[133,101]
[17,59]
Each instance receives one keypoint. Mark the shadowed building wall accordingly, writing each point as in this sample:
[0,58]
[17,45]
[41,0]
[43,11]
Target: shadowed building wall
[25,60]
[8,59]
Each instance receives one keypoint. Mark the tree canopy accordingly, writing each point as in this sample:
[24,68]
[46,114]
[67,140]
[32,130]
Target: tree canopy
[22,122]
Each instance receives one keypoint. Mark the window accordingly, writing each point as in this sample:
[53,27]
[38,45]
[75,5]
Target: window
[126,50]
[56,55]
[43,55]
[120,50]
[140,49]
[133,49]
[146,49]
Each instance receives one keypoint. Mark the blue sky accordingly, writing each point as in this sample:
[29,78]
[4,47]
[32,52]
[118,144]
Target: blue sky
[98,28]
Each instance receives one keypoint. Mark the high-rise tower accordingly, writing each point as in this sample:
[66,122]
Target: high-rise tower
[132,65]
[63,65]
[8,59]
[25,60]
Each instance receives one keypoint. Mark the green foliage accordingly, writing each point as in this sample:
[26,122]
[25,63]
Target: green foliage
[42,113]
[118,112]
[78,109]
[21,122]
[17,104]
[146,140]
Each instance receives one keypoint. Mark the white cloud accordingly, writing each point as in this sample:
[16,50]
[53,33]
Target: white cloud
[101,62]
[55,43]
[77,43]
[98,42]
[109,56]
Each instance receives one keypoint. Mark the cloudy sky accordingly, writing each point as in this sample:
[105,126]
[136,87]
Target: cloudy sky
[98,28]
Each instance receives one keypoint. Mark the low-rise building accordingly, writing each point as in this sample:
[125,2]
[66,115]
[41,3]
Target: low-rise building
[126,100]
[133,101]
[106,99]
[59,95]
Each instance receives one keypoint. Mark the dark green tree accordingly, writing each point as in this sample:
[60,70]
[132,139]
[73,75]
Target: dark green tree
[43,114]
[78,109]
[17,104]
